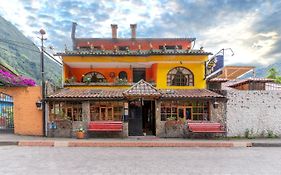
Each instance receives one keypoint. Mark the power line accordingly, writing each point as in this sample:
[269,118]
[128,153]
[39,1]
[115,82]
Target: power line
[53,58]
[15,44]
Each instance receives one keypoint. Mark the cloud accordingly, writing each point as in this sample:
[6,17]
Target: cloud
[251,28]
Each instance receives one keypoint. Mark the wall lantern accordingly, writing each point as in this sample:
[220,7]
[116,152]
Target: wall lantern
[216,104]
[39,104]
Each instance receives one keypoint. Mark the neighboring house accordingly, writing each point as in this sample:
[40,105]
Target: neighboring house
[18,96]
[142,82]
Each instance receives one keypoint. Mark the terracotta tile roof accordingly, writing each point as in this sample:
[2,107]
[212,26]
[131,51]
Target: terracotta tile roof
[132,52]
[142,88]
[234,72]
[190,93]
[257,80]
[87,93]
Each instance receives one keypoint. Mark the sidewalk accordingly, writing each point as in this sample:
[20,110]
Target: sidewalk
[12,139]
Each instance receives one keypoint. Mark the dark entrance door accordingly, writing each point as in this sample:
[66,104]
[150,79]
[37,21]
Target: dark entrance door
[148,114]
[141,118]
[135,118]
[138,74]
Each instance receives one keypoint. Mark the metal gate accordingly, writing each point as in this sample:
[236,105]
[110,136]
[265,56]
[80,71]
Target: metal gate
[6,113]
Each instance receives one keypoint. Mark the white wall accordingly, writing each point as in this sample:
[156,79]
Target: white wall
[259,112]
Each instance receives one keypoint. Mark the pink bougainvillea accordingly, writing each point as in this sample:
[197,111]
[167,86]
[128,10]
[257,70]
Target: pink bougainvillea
[13,80]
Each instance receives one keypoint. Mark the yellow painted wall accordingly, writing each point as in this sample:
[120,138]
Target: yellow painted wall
[198,71]
[162,65]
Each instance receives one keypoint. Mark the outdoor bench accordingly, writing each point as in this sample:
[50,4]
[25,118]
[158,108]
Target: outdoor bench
[205,127]
[104,126]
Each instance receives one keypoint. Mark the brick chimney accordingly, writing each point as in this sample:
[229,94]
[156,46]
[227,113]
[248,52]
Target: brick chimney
[133,31]
[73,31]
[74,24]
[114,28]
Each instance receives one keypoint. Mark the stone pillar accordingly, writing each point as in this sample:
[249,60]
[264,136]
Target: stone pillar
[125,132]
[158,117]
[86,111]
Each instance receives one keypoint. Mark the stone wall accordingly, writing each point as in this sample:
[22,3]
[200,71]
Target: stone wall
[253,113]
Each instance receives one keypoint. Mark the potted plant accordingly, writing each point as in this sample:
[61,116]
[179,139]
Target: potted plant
[80,133]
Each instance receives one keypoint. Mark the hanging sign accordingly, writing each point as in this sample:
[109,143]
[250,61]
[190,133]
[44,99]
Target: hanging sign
[214,64]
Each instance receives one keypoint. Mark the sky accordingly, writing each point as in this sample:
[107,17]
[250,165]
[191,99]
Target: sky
[251,28]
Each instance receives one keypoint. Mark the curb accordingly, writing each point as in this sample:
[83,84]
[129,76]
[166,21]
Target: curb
[8,143]
[36,143]
[266,144]
[132,144]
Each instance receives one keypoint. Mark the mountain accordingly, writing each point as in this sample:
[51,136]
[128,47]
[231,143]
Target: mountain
[23,56]
[262,71]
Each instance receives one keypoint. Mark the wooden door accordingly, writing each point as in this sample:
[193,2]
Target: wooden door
[138,74]
[135,119]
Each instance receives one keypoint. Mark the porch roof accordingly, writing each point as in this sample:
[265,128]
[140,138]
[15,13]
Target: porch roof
[189,93]
[87,93]
[142,89]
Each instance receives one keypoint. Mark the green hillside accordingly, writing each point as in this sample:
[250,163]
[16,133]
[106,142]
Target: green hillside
[23,56]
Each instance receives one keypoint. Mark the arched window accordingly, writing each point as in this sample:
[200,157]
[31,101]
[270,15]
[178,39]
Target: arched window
[123,75]
[94,77]
[180,76]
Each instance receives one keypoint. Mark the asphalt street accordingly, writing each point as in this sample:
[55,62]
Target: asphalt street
[67,160]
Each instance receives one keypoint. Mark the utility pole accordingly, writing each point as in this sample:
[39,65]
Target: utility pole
[42,32]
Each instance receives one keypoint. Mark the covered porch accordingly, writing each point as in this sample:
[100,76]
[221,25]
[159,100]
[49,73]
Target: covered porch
[142,110]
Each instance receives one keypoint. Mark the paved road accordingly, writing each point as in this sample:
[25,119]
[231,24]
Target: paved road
[36,160]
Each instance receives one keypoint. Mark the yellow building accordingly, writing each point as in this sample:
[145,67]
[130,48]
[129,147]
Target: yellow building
[131,86]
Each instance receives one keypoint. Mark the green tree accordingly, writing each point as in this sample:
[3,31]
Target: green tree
[273,74]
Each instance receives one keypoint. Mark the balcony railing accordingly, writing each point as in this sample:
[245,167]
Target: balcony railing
[73,84]
[98,84]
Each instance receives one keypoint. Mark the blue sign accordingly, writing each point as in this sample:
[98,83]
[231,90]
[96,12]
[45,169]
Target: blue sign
[214,64]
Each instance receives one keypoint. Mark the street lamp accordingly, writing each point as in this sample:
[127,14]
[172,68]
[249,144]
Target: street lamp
[42,32]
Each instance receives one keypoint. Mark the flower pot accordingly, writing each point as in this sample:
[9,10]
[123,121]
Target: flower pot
[80,135]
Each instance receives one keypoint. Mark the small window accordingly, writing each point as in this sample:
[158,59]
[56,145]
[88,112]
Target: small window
[171,47]
[97,47]
[123,75]
[123,48]
[85,48]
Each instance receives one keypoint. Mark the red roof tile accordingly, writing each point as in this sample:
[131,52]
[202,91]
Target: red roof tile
[257,80]
[141,89]
[86,93]
[191,93]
